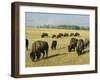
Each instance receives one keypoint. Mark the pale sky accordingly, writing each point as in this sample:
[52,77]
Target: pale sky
[39,19]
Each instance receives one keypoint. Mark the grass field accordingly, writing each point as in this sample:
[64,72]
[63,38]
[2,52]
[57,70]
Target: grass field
[60,56]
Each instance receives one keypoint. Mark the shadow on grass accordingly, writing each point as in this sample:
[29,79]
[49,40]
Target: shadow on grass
[60,48]
[53,56]
[58,54]
[84,52]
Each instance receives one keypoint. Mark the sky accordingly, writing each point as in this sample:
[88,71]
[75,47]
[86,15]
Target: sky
[40,19]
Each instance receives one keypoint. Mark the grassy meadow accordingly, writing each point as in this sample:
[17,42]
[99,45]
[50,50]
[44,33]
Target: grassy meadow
[60,56]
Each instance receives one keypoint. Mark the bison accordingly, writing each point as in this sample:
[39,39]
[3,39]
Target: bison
[27,43]
[71,34]
[54,44]
[38,48]
[80,46]
[73,44]
[53,36]
[60,35]
[76,34]
[66,34]
[44,35]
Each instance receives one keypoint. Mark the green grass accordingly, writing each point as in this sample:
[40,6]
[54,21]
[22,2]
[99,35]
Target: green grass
[57,57]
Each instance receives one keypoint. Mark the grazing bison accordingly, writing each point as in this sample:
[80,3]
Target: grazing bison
[66,34]
[54,44]
[73,44]
[71,34]
[27,42]
[77,34]
[60,35]
[80,46]
[38,48]
[44,35]
[53,36]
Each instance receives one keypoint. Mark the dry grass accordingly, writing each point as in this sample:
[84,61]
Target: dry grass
[57,57]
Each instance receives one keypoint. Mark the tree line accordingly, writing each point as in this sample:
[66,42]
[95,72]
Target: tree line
[75,27]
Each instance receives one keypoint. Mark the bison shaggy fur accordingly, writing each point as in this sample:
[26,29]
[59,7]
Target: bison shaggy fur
[38,48]
[80,46]
[53,36]
[73,44]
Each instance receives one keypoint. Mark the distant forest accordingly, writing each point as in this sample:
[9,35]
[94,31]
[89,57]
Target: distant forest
[75,27]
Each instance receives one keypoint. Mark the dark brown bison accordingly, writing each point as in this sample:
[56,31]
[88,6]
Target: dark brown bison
[53,44]
[60,35]
[54,36]
[44,35]
[71,34]
[27,43]
[72,45]
[66,34]
[76,34]
[80,46]
[38,48]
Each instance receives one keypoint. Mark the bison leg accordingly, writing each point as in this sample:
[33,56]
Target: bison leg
[38,54]
[69,48]
[52,47]
[55,47]
[79,51]
[46,53]
[43,54]
[32,56]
